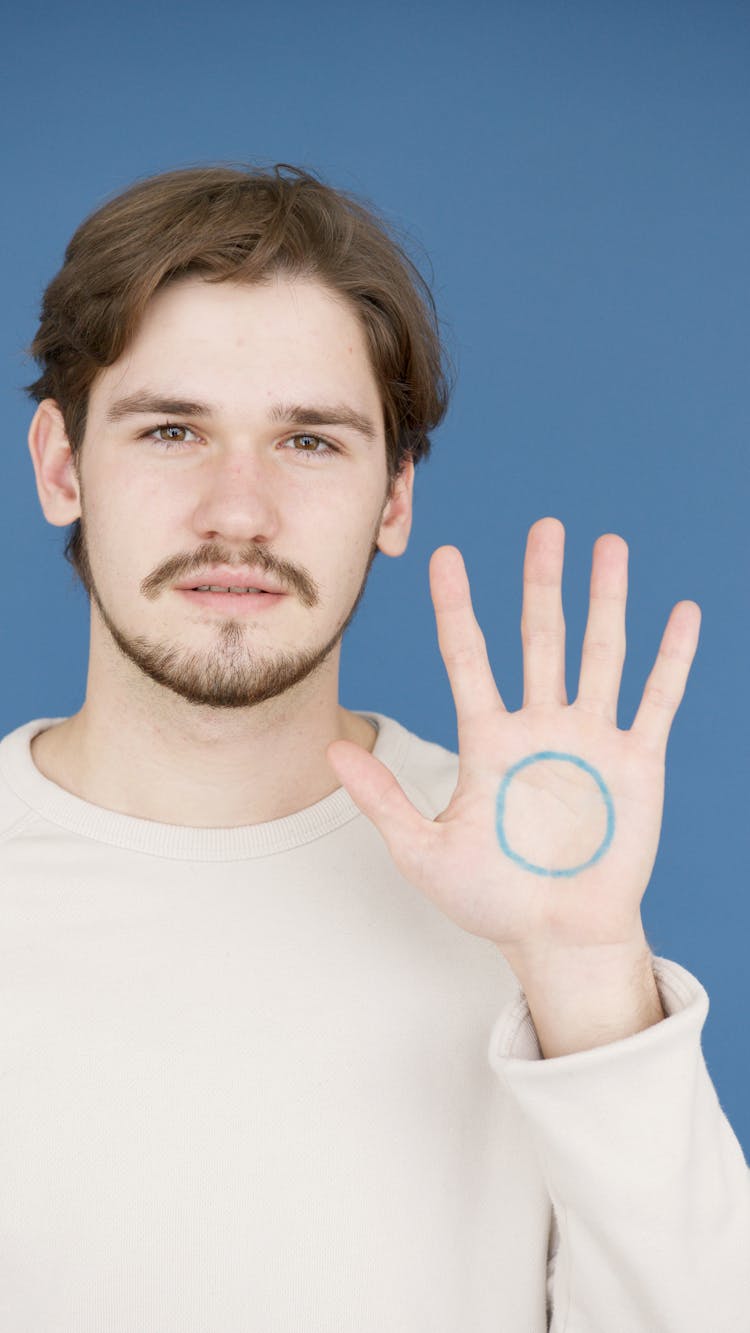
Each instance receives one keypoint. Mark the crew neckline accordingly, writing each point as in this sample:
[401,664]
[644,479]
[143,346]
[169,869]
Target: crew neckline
[178,841]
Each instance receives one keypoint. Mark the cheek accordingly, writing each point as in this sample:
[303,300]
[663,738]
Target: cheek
[336,551]
[340,515]
[128,528]
[354,534]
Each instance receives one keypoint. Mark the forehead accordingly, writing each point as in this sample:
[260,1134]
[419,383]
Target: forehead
[281,307]
[229,339]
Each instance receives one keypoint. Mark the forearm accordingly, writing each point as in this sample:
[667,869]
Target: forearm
[647,1179]
[583,998]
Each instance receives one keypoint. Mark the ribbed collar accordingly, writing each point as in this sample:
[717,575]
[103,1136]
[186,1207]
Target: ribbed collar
[175,841]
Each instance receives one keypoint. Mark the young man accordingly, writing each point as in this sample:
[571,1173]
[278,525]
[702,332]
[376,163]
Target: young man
[310,1023]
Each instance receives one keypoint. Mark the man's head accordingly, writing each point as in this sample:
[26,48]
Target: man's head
[252,295]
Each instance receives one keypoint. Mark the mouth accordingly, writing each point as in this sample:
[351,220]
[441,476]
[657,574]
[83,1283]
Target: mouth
[233,603]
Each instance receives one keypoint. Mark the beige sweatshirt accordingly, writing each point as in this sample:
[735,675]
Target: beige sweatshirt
[252,1081]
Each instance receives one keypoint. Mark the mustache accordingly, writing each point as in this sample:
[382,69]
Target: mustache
[299,581]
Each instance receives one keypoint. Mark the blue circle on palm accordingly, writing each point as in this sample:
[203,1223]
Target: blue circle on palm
[570,759]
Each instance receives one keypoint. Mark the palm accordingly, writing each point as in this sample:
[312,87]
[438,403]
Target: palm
[554,818]
[539,850]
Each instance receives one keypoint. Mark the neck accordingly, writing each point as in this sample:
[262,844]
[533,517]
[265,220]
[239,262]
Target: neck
[244,767]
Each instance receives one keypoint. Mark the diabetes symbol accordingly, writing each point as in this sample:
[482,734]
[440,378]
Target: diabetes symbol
[500,813]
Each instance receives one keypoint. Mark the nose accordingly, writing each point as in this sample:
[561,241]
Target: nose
[238,499]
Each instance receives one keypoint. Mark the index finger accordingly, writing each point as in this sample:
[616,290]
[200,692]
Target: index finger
[462,643]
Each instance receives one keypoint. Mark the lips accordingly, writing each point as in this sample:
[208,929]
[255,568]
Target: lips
[226,577]
[237,591]
[233,603]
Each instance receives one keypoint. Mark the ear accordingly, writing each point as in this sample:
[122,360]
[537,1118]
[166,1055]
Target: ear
[56,480]
[395,525]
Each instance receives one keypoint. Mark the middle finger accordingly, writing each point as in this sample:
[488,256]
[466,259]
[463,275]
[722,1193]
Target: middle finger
[542,620]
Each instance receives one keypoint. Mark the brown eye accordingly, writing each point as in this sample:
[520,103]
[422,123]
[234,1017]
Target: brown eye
[171,428]
[166,425]
[326,450]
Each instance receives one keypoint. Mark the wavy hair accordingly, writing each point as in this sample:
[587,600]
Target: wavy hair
[245,224]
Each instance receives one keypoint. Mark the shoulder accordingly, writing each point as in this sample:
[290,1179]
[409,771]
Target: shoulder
[16,806]
[427,771]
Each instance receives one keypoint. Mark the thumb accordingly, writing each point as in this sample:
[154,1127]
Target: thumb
[375,790]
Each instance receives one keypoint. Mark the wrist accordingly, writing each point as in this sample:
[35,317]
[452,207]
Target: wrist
[588,997]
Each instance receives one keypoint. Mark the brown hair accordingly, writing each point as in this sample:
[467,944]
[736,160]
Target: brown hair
[245,224]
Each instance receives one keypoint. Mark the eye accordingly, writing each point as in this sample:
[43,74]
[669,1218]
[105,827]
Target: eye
[325,450]
[166,425]
[317,439]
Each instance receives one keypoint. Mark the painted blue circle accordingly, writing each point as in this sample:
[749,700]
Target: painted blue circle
[500,812]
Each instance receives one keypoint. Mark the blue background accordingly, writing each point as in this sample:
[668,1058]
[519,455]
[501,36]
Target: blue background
[574,180]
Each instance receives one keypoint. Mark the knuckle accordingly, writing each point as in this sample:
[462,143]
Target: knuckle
[468,652]
[463,656]
[604,650]
[663,699]
[541,635]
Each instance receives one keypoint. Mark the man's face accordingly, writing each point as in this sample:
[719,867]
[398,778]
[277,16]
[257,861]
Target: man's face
[251,486]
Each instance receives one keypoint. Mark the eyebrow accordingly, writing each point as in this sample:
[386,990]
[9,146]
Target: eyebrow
[295,414]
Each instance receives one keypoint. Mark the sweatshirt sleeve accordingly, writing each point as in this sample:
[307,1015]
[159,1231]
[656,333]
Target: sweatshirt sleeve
[649,1186]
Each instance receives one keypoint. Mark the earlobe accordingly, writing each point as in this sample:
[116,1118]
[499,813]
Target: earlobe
[56,480]
[395,527]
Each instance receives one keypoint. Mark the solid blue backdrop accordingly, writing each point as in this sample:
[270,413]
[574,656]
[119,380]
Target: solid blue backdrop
[574,181]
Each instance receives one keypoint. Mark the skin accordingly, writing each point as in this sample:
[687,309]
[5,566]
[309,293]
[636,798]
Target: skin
[194,717]
[202,720]
[559,897]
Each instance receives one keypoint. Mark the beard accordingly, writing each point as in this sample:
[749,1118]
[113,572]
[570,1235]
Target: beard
[231,673]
